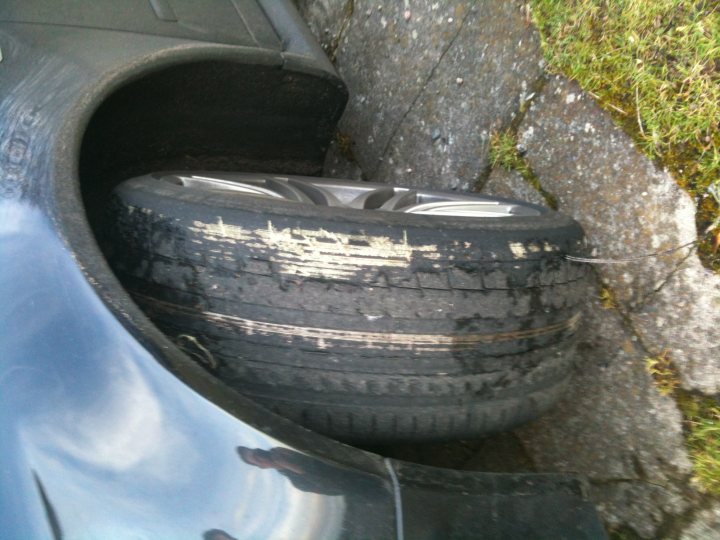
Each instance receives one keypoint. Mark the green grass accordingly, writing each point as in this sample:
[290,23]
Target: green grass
[701,422]
[702,416]
[608,299]
[655,65]
[663,372]
[504,153]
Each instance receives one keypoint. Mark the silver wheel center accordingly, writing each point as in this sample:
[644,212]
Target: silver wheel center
[357,195]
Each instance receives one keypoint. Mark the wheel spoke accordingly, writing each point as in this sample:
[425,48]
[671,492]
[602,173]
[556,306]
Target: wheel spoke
[255,188]
[478,208]
[400,200]
[287,190]
[371,200]
[318,195]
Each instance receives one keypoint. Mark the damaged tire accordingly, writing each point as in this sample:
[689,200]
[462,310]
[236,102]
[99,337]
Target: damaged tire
[363,311]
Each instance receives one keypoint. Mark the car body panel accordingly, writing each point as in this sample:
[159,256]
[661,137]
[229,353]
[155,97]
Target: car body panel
[101,441]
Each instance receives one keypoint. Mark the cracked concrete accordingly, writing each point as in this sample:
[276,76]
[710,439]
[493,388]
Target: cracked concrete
[682,317]
[690,252]
[381,88]
[426,92]
[629,207]
[616,428]
[626,205]
[424,96]
[401,123]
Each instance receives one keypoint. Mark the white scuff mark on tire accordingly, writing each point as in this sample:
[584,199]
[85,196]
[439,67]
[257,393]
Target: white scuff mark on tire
[221,225]
[318,252]
[324,337]
[518,250]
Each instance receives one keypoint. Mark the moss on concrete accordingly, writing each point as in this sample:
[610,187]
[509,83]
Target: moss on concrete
[655,66]
[504,153]
[701,422]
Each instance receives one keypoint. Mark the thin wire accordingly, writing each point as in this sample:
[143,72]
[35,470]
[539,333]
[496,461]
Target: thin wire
[625,260]
[399,526]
